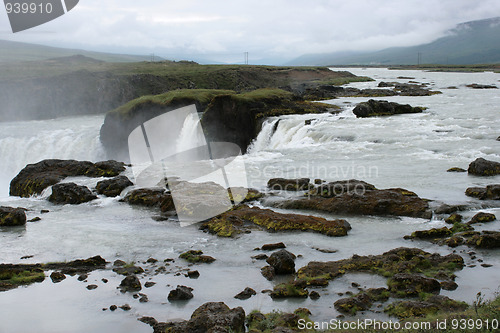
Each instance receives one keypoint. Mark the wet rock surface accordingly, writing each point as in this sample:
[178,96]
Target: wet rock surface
[244,218]
[374,108]
[34,178]
[360,198]
[114,186]
[282,261]
[11,217]
[70,193]
[482,167]
[490,192]
[181,293]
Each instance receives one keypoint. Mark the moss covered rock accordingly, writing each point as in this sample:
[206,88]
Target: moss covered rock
[242,218]
[364,199]
[375,108]
[412,284]
[70,193]
[35,178]
[482,167]
[114,186]
[196,256]
[482,217]
[10,217]
[289,290]
[400,260]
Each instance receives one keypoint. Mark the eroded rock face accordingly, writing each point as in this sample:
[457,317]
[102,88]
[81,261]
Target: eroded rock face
[34,178]
[482,167]
[10,217]
[374,108]
[70,193]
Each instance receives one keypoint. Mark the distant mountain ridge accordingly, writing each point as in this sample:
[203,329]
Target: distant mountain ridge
[474,42]
[15,52]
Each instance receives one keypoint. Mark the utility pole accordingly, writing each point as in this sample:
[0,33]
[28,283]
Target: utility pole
[245,55]
[419,58]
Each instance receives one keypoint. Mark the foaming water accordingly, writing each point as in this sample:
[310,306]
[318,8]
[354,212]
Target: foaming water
[22,143]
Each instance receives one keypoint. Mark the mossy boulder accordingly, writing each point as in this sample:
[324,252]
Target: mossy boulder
[351,305]
[454,218]
[432,233]
[400,260]
[114,186]
[196,256]
[130,283]
[288,290]
[181,293]
[482,217]
[10,217]
[375,108]
[363,200]
[35,178]
[490,192]
[70,193]
[485,240]
[210,317]
[242,218]
[483,167]
[151,197]
[412,284]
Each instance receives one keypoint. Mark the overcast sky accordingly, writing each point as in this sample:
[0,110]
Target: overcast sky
[220,29]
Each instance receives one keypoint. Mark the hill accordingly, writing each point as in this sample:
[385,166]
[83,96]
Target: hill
[475,42]
[18,52]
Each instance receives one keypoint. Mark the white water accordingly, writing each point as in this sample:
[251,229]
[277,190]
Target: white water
[410,151]
[22,143]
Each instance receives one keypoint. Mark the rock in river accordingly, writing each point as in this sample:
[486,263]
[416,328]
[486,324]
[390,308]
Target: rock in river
[114,186]
[34,178]
[70,193]
[482,167]
[374,108]
[12,216]
[282,261]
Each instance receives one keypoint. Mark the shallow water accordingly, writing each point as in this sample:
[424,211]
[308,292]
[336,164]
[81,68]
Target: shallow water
[409,151]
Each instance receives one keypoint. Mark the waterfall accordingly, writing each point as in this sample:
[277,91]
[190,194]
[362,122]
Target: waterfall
[297,131]
[23,143]
[191,135]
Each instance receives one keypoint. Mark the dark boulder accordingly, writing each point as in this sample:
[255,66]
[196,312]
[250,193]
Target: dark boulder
[396,201]
[216,317]
[34,178]
[351,305]
[70,193]
[10,217]
[130,283]
[282,184]
[333,189]
[481,86]
[147,197]
[482,167]
[268,272]
[246,294]
[482,217]
[374,108]
[181,293]
[490,192]
[57,277]
[114,186]
[485,240]
[271,247]
[282,261]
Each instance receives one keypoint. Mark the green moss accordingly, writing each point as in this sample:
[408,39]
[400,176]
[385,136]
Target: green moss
[196,256]
[289,290]
[13,277]
[201,96]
